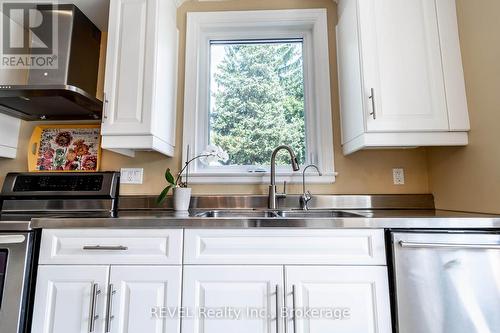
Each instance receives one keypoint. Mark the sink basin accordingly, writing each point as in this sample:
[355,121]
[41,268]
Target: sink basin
[238,214]
[248,214]
[315,214]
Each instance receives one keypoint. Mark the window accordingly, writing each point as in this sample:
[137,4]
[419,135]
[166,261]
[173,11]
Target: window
[256,80]
[257,100]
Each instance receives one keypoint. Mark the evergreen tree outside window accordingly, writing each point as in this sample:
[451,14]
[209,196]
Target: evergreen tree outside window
[257,99]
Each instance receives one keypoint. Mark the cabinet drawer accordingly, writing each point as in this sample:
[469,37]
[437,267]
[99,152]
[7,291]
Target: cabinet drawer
[298,246]
[94,246]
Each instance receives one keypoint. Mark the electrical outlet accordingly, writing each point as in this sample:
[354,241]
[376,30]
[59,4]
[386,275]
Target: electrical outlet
[131,175]
[398,176]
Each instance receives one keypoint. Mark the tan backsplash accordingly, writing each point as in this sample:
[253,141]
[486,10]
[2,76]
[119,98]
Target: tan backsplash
[468,178]
[363,172]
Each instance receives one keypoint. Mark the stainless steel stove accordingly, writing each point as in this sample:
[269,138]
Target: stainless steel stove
[28,195]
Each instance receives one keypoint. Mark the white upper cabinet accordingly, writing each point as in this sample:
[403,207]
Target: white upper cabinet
[9,135]
[400,74]
[141,77]
[402,59]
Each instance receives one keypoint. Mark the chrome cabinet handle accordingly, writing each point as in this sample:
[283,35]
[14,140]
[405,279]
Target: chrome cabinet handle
[105,248]
[109,312]
[294,318]
[93,306]
[104,107]
[372,97]
[277,309]
[450,245]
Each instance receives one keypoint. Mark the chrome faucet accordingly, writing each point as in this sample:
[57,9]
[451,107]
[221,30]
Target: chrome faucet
[306,195]
[273,195]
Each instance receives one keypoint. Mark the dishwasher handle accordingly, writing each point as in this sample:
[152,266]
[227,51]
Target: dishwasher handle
[472,246]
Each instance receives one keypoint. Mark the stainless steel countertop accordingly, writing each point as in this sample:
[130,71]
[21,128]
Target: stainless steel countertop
[387,219]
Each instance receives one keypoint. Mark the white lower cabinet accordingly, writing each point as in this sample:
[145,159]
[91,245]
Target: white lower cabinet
[244,281]
[311,273]
[308,299]
[239,288]
[346,299]
[121,299]
[142,296]
[64,296]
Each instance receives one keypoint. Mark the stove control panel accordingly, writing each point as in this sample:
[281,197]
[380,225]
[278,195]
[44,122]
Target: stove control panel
[70,183]
[40,185]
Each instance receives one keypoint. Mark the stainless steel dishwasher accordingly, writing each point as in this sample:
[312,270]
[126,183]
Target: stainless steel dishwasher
[447,282]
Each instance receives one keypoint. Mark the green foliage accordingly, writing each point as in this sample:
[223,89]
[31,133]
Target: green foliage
[169,177]
[171,184]
[259,102]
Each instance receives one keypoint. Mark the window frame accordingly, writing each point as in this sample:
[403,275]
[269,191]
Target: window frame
[310,25]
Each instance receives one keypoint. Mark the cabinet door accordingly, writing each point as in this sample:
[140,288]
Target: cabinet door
[130,53]
[64,298]
[348,299]
[9,134]
[402,66]
[256,291]
[143,298]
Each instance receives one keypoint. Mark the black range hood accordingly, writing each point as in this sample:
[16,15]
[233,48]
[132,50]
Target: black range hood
[63,92]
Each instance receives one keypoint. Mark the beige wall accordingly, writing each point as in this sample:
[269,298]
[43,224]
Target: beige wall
[363,172]
[468,178]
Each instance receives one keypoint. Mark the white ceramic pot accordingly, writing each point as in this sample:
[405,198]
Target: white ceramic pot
[182,198]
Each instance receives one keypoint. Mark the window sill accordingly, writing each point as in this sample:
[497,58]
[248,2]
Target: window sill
[258,178]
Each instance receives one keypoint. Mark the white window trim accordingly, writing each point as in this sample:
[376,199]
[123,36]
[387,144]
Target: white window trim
[309,24]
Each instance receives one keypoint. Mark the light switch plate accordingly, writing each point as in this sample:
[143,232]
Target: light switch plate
[398,176]
[131,176]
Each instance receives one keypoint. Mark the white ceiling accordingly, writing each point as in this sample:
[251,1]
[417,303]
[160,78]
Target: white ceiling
[96,10]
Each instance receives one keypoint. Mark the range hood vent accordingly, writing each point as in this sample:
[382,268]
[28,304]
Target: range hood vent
[65,91]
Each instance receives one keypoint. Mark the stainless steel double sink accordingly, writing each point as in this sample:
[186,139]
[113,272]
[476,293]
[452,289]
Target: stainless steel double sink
[283,214]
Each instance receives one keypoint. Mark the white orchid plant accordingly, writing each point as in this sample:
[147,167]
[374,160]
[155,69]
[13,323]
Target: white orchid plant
[210,156]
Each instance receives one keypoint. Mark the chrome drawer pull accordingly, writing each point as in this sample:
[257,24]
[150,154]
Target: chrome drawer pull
[105,248]
[372,97]
[105,107]
[277,309]
[93,307]
[109,313]
[450,245]
[294,318]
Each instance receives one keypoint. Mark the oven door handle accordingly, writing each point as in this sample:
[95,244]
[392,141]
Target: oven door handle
[12,239]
